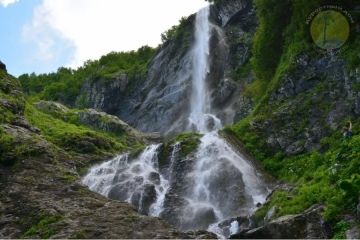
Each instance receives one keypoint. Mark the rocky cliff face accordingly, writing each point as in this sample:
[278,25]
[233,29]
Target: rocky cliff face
[159,101]
[311,101]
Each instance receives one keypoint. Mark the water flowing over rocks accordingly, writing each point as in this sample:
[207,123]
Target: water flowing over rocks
[206,186]
[42,197]
[159,101]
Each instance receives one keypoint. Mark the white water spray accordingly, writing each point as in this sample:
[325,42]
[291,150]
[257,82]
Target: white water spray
[138,182]
[200,52]
[221,183]
[221,177]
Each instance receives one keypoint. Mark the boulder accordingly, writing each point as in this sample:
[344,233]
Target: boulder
[154,177]
[148,198]
[306,225]
[53,108]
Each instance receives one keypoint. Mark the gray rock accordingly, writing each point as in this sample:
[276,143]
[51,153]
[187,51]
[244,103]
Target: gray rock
[2,66]
[103,94]
[295,148]
[154,177]
[53,108]
[306,225]
[353,233]
[230,8]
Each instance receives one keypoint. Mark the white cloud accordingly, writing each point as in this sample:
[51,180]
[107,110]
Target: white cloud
[96,27]
[6,3]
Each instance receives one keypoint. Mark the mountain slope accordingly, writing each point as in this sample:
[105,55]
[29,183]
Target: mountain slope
[42,157]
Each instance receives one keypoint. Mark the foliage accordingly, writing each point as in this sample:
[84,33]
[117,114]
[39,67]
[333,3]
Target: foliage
[331,177]
[188,142]
[6,145]
[65,84]
[44,228]
[175,31]
[74,137]
[340,229]
[11,99]
[268,40]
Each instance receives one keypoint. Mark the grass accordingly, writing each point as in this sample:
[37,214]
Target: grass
[43,228]
[72,137]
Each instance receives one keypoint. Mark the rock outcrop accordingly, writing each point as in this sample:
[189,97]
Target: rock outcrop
[94,119]
[308,225]
[305,94]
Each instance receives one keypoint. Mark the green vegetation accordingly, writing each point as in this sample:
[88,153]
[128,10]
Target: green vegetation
[73,137]
[268,40]
[6,146]
[329,176]
[180,35]
[12,100]
[189,142]
[65,85]
[340,229]
[44,227]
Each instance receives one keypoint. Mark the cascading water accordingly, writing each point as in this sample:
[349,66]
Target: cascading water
[224,184]
[193,193]
[200,70]
[137,182]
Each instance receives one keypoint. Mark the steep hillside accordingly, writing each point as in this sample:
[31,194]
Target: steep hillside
[284,99]
[44,148]
[303,99]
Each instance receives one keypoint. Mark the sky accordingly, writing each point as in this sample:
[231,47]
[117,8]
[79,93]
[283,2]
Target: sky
[42,35]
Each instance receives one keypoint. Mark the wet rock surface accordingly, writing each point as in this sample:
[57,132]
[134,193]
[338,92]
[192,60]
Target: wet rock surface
[159,101]
[309,225]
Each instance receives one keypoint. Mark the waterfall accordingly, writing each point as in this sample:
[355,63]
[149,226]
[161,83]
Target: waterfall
[221,177]
[199,192]
[137,182]
[200,54]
